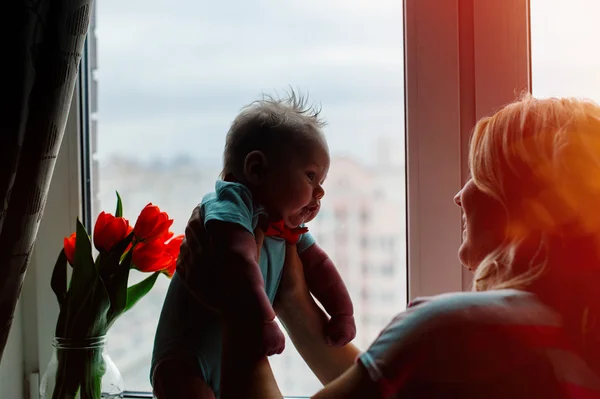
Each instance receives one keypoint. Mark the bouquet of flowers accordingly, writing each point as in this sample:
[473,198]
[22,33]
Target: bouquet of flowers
[98,291]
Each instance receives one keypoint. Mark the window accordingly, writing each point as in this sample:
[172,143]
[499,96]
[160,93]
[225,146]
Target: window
[437,76]
[564,58]
[387,269]
[161,124]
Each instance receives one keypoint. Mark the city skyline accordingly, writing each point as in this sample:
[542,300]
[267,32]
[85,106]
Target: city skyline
[361,202]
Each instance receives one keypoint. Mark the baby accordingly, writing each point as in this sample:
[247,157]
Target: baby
[275,162]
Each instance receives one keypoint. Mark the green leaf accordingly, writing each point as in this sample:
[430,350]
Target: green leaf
[111,260]
[133,294]
[119,282]
[58,281]
[137,291]
[61,322]
[83,280]
[115,274]
[119,211]
[99,308]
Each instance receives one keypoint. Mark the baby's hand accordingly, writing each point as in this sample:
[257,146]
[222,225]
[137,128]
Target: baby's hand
[273,340]
[340,330]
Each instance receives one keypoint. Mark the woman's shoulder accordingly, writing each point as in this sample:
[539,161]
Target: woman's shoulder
[476,298]
[505,307]
[452,337]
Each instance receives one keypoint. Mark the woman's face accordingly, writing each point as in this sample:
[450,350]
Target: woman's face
[484,223]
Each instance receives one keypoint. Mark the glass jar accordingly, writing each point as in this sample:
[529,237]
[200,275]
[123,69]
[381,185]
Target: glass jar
[81,369]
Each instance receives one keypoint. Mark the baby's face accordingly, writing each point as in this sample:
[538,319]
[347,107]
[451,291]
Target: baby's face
[293,189]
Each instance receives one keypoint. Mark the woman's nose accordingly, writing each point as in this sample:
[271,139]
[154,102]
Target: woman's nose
[457,198]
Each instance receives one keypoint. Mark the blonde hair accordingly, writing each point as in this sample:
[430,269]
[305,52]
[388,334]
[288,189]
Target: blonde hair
[540,159]
[271,125]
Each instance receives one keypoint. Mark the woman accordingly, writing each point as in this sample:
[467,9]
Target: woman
[531,214]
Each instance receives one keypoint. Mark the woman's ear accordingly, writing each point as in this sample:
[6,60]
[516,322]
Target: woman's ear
[255,166]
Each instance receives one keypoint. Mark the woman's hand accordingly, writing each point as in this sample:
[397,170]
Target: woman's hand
[305,323]
[292,287]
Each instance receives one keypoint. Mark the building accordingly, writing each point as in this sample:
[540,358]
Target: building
[361,225]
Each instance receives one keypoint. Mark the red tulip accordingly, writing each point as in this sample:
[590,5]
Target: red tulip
[168,235]
[172,248]
[109,231]
[157,255]
[149,256]
[69,245]
[151,224]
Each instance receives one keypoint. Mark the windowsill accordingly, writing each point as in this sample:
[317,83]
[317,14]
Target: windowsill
[137,395]
[148,395]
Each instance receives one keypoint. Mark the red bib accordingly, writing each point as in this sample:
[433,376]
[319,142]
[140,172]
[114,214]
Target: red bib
[279,229]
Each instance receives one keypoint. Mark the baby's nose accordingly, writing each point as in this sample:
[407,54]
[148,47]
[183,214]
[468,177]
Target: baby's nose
[314,207]
[319,193]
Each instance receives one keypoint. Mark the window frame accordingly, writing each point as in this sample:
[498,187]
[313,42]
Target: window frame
[449,68]
[464,59]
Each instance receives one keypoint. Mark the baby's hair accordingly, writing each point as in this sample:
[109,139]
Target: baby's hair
[271,125]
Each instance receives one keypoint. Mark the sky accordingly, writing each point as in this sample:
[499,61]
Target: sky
[565,43]
[172,78]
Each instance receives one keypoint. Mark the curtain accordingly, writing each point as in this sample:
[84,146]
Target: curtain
[40,45]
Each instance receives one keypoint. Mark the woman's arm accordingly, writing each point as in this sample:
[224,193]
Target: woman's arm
[305,323]
[355,383]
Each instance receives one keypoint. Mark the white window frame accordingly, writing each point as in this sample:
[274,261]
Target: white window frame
[464,59]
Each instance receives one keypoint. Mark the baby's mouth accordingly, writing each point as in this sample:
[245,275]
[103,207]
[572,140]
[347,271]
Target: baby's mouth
[310,209]
[306,213]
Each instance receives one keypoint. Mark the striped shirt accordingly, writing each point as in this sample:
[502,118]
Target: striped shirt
[495,344]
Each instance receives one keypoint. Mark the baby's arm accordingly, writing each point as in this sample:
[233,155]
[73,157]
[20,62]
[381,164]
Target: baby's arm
[326,284]
[245,296]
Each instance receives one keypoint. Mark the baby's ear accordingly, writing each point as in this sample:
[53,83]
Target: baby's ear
[255,166]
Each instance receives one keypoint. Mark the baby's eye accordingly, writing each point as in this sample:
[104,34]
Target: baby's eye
[310,175]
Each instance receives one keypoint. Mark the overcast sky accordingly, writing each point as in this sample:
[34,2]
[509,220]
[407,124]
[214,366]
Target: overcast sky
[565,37]
[171,78]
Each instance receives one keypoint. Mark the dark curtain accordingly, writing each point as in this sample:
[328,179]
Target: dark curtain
[40,47]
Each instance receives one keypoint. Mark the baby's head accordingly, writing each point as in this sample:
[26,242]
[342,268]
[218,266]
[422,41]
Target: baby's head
[276,147]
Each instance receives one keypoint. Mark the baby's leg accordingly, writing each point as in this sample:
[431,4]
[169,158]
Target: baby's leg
[243,373]
[176,379]
[186,359]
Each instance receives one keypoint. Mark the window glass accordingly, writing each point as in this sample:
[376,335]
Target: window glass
[167,80]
